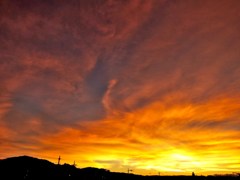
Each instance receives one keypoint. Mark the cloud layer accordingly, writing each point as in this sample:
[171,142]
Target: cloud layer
[148,85]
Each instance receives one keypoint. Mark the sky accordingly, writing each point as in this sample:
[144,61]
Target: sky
[147,85]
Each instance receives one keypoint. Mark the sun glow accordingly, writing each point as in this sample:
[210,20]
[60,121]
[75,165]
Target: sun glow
[143,140]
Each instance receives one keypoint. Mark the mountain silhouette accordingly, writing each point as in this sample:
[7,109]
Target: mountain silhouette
[30,168]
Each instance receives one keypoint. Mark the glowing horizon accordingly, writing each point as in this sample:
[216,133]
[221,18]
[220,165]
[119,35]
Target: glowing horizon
[152,86]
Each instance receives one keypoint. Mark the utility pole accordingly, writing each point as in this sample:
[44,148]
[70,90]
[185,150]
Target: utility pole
[129,170]
[59,159]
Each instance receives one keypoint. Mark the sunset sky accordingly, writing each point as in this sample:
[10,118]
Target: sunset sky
[149,85]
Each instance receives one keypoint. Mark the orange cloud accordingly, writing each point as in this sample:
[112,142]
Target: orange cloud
[155,138]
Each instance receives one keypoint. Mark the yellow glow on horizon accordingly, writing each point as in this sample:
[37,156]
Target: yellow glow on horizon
[144,140]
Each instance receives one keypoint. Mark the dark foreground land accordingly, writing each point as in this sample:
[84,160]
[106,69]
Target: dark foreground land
[29,168]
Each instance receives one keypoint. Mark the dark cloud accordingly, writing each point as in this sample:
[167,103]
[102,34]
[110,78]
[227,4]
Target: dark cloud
[53,52]
[227,124]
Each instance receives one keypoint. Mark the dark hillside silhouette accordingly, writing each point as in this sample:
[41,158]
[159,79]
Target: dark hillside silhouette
[29,168]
